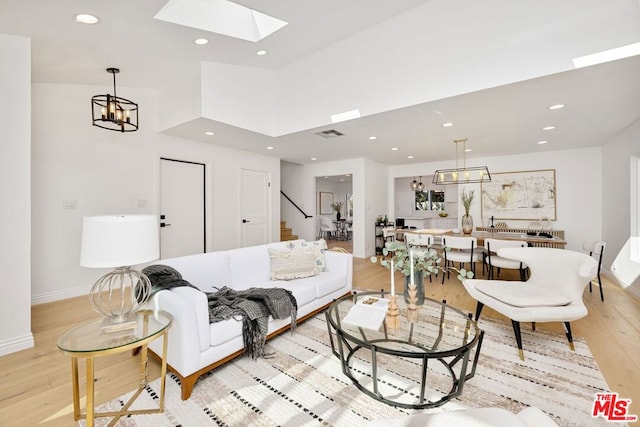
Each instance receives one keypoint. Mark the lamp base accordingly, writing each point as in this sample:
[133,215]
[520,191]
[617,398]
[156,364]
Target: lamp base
[115,324]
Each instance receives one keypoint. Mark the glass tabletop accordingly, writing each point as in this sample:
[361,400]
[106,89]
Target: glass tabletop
[440,330]
[88,337]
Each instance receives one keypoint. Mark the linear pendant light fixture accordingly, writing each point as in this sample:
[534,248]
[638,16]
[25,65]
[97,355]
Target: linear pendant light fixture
[463,175]
[112,112]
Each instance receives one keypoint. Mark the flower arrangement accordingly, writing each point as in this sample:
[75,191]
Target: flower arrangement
[337,206]
[467,199]
[425,260]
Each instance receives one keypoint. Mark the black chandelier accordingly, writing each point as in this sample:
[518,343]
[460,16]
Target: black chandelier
[112,112]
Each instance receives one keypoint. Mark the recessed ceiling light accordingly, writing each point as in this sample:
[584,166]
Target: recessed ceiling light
[313,158]
[85,18]
[468,150]
[447,125]
[409,157]
[556,107]
[261,52]
[348,175]
[341,179]
[395,149]
[269,148]
[548,128]
[209,133]
[373,137]
[542,142]
[326,177]
[201,41]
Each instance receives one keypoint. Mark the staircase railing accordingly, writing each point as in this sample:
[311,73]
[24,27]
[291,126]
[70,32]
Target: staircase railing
[296,206]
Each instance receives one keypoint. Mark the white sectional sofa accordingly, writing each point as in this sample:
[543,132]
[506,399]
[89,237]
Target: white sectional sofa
[195,346]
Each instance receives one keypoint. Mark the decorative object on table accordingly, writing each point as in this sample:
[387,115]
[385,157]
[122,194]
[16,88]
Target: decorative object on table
[526,195]
[412,309]
[467,220]
[112,112]
[119,242]
[425,262]
[392,320]
[492,226]
[337,207]
[443,214]
[464,174]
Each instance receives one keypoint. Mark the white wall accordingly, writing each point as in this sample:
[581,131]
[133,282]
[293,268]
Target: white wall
[578,188]
[15,214]
[110,172]
[617,155]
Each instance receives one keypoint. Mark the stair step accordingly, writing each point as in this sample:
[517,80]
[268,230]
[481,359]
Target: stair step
[285,232]
[290,237]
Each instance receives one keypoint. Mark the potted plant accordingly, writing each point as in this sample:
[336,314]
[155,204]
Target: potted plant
[467,220]
[426,262]
[337,206]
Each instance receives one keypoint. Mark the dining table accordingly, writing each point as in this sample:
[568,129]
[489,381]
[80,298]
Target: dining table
[532,239]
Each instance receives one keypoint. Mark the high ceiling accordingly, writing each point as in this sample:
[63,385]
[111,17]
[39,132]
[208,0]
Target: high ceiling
[600,100]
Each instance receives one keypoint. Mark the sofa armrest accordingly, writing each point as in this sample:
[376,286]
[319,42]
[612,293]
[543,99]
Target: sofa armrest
[189,333]
[340,262]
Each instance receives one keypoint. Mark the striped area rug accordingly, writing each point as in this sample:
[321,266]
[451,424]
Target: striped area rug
[302,384]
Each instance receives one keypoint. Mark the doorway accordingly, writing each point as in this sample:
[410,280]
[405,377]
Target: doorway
[182,208]
[332,193]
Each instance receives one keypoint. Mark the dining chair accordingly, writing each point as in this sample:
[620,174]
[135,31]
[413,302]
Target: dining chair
[389,236]
[596,250]
[495,261]
[420,243]
[327,228]
[461,250]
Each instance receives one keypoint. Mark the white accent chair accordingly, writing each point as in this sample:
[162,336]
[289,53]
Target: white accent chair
[389,236]
[596,250]
[494,261]
[327,228]
[461,250]
[553,292]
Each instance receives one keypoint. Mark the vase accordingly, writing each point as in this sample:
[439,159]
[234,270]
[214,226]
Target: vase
[467,224]
[419,281]
[338,216]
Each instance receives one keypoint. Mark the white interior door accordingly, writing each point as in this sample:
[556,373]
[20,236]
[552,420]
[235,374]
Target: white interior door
[182,208]
[255,208]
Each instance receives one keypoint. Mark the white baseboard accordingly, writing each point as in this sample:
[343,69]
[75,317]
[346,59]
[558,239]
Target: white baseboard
[16,344]
[59,295]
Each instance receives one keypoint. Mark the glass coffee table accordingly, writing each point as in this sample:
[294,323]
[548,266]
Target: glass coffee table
[417,365]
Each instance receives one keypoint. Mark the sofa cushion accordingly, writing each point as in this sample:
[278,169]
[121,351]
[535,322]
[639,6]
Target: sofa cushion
[317,246]
[519,294]
[304,290]
[288,264]
[226,330]
[206,271]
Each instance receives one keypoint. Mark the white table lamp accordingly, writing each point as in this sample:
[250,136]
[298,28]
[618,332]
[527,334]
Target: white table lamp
[119,242]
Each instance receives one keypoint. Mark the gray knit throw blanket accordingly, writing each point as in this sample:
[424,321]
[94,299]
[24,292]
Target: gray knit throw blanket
[253,306]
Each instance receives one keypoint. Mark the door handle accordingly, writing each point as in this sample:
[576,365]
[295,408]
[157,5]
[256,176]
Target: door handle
[162,224]
[245,221]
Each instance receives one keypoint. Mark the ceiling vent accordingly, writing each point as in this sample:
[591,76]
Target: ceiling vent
[331,133]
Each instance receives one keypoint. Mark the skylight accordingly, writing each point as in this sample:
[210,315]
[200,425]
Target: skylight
[607,55]
[221,17]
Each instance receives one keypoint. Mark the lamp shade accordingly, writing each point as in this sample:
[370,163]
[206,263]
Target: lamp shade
[119,240]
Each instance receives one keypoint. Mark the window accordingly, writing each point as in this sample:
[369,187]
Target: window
[429,200]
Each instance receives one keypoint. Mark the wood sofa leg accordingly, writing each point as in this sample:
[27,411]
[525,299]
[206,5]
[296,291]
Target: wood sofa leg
[516,330]
[567,332]
[479,310]
[187,386]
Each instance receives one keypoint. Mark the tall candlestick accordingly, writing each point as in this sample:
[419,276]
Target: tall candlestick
[393,284]
[411,265]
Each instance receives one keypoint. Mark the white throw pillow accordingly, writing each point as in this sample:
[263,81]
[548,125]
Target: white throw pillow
[317,246]
[292,264]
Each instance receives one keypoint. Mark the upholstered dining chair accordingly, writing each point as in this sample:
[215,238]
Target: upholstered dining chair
[461,250]
[596,250]
[496,262]
[553,292]
[327,228]
[420,244]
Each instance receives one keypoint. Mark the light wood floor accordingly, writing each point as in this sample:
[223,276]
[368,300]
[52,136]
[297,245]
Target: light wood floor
[36,383]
